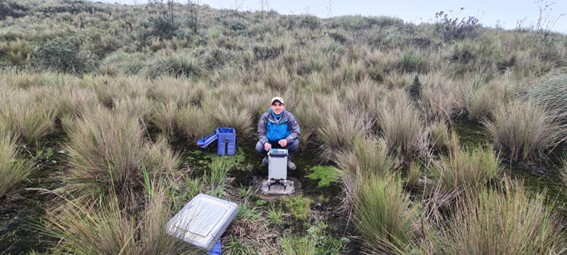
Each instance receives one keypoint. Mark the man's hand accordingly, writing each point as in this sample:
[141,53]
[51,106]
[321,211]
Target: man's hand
[267,146]
[282,142]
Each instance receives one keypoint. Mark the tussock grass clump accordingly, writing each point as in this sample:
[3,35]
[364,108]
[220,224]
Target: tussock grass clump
[510,222]
[340,129]
[193,123]
[483,100]
[437,97]
[309,118]
[75,101]
[412,61]
[13,170]
[383,215]
[231,116]
[107,155]
[163,117]
[278,79]
[401,125]
[467,170]
[551,93]
[120,62]
[563,170]
[138,107]
[109,90]
[439,136]
[523,130]
[177,66]
[29,119]
[85,229]
[367,158]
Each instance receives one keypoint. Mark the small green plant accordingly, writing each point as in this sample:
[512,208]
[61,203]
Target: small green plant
[245,192]
[248,212]
[297,245]
[236,246]
[261,202]
[218,169]
[298,206]
[275,216]
[325,174]
[324,243]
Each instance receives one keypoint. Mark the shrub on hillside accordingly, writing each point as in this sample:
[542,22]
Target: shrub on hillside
[310,22]
[178,66]
[452,28]
[121,62]
[509,221]
[64,55]
[263,52]
[12,9]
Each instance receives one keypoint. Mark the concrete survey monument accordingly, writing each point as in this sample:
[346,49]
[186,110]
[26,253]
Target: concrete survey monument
[202,221]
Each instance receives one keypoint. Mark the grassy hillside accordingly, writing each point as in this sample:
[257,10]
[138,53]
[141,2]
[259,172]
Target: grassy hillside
[444,138]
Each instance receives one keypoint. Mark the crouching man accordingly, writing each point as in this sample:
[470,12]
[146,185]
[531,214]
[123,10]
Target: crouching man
[278,128]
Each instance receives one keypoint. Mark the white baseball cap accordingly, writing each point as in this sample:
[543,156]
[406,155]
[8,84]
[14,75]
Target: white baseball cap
[277,99]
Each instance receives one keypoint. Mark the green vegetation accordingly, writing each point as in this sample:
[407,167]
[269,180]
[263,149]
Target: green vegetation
[299,207]
[102,105]
[326,175]
[383,215]
[467,170]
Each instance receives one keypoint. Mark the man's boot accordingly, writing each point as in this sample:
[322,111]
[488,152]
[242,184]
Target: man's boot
[265,161]
[290,165]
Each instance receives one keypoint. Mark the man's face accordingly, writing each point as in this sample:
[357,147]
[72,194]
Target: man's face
[277,107]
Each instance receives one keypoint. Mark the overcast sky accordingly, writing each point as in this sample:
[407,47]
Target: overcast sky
[507,14]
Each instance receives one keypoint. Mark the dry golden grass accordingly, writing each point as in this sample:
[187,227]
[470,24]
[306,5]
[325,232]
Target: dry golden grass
[107,155]
[87,229]
[13,168]
[512,221]
[340,128]
[523,130]
[401,125]
[27,116]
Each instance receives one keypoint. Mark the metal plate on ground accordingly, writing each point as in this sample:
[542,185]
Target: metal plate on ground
[202,221]
[286,188]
